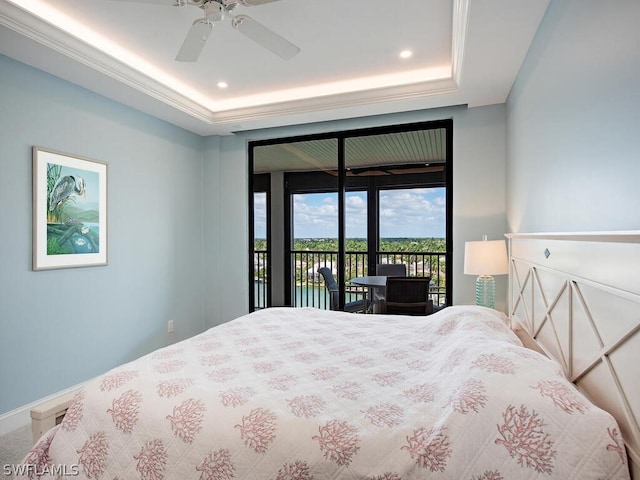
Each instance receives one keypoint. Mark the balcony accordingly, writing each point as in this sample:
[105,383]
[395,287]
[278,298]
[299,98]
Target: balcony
[308,288]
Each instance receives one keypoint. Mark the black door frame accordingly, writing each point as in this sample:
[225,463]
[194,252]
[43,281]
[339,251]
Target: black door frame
[373,227]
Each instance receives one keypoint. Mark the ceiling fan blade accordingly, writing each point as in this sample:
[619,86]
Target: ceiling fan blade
[265,37]
[251,3]
[194,41]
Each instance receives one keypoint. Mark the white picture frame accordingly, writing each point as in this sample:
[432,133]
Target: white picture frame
[69,210]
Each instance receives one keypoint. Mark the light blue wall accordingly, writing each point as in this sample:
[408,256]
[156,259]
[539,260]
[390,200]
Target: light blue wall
[61,327]
[573,119]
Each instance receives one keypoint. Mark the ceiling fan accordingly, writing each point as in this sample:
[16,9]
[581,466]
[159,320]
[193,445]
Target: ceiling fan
[216,11]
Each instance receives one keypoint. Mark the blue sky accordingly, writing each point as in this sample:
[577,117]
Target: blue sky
[417,212]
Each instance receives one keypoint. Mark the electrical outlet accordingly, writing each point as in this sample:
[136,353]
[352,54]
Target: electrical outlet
[170,326]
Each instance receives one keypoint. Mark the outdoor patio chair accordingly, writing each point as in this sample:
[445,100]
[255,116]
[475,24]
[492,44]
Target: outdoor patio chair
[388,270]
[407,296]
[334,294]
[391,269]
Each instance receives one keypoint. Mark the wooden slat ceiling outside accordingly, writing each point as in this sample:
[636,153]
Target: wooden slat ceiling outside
[415,147]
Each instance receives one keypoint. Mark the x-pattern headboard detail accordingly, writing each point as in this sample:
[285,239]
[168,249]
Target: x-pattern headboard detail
[578,295]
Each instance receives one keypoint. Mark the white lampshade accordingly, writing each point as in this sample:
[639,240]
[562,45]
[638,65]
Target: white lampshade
[486,258]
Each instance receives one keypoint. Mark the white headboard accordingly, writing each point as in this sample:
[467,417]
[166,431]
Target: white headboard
[578,295]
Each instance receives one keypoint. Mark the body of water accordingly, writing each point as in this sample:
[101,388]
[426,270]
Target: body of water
[306,296]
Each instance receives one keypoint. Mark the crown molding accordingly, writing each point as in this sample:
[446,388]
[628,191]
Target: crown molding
[459,28]
[49,36]
[44,33]
[340,101]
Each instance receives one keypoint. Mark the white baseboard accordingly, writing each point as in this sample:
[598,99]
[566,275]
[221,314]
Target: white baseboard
[21,416]
[18,418]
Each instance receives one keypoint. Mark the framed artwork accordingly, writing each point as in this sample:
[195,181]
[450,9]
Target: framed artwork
[69,211]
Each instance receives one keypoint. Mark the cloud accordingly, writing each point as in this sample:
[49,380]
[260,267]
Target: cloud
[315,215]
[417,212]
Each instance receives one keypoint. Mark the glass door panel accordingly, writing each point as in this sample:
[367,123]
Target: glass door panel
[312,190]
[260,252]
[404,173]
[315,245]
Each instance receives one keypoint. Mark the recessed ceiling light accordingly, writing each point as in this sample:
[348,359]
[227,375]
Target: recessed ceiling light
[222,84]
[406,54]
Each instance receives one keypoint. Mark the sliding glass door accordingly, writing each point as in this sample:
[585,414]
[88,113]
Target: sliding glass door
[349,201]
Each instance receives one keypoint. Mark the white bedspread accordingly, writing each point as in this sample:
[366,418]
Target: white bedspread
[307,394]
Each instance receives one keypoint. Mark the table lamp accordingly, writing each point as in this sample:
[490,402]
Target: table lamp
[486,258]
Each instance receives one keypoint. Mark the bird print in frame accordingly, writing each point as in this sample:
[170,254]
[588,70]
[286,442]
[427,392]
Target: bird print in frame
[69,210]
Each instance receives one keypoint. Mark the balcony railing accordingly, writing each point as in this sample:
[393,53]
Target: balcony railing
[308,288]
[260,279]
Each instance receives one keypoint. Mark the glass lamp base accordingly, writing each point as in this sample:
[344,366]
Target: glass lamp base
[486,291]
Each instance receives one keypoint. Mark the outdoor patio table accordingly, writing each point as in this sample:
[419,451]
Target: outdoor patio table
[371,282]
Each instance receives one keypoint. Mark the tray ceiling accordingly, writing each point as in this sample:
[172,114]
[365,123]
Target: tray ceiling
[464,52]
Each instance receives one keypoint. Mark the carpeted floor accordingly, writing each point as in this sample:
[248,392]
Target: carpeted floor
[14,446]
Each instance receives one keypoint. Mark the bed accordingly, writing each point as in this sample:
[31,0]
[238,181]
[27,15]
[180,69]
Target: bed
[306,394]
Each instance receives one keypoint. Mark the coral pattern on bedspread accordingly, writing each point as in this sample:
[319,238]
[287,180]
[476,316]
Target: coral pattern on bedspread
[306,394]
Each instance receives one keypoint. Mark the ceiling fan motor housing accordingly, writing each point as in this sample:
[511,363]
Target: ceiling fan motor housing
[214,11]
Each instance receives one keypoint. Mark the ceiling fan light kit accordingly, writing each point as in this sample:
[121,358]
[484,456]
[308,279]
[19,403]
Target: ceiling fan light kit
[215,11]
